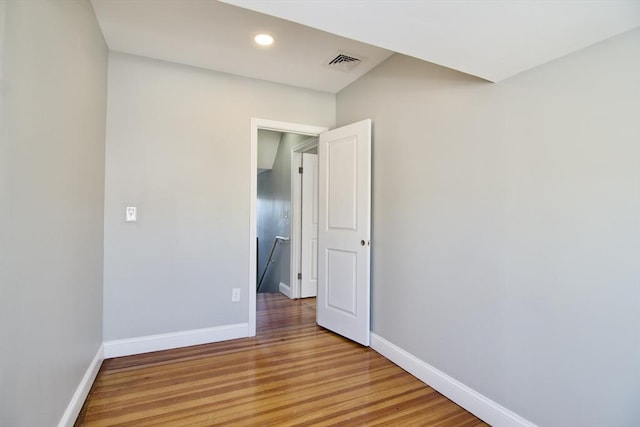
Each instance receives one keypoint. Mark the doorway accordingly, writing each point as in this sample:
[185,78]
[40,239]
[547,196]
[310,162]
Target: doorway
[343,224]
[293,213]
[275,206]
[304,232]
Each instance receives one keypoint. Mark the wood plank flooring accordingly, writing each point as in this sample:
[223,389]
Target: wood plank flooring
[292,373]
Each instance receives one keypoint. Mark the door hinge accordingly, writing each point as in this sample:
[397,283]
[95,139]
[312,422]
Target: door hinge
[300,169]
[299,276]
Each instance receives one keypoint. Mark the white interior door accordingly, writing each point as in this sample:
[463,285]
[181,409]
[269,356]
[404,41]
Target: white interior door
[344,230]
[309,251]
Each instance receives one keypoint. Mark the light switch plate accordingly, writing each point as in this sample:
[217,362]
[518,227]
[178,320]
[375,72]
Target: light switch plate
[131,214]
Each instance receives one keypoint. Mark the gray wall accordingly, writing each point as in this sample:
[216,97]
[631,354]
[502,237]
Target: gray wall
[506,246]
[51,206]
[274,214]
[178,147]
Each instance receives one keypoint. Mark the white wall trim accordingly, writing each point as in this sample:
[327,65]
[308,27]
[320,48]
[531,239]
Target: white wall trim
[306,145]
[296,214]
[82,391]
[295,225]
[146,344]
[474,402]
[285,289]
[287,127]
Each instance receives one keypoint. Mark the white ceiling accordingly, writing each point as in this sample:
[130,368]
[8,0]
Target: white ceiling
[491,39]
[218,36]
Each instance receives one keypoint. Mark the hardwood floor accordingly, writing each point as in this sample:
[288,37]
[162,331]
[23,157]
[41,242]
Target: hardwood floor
[292,373]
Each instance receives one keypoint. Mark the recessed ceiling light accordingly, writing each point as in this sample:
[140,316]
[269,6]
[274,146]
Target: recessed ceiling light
[264,39]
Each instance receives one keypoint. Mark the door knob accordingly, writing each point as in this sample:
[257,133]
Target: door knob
[362,243]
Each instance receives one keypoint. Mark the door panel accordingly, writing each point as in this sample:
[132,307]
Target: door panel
[344,176]
[341,280]
[309,256]
[342,187]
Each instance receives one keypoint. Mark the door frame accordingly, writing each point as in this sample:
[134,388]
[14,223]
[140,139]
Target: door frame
[266,124]
[296,215]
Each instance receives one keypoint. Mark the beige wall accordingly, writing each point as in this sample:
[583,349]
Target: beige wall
[178,147]
[53,105]
[506,244]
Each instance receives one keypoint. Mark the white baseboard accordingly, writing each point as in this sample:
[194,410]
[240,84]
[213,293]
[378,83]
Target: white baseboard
[77,400]
[474,402]
[286,290]
[146,344]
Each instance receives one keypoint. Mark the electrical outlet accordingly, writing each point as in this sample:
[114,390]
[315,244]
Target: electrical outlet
[235,295]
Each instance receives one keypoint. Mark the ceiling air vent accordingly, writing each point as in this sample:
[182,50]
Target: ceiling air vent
[344,62]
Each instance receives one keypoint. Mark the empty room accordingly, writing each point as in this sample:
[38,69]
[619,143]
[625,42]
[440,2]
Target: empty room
[331,212]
